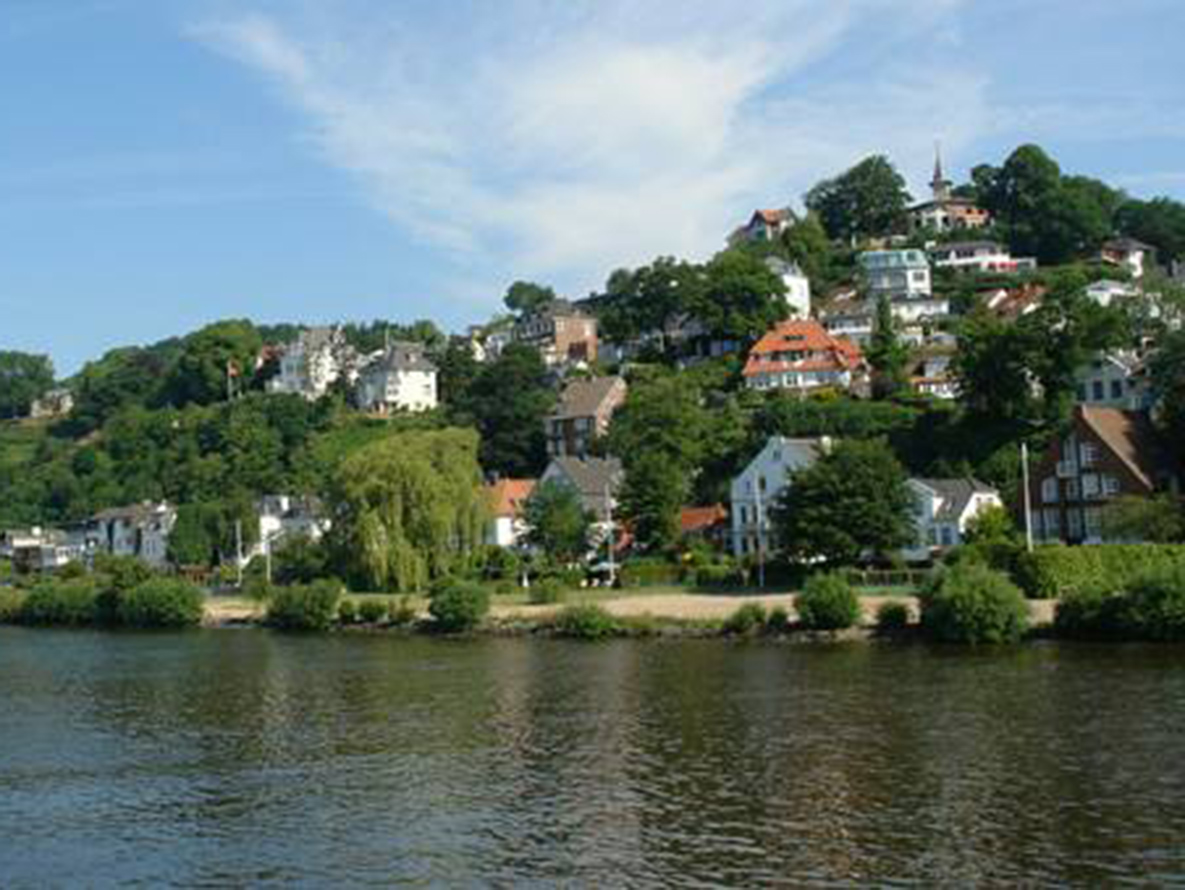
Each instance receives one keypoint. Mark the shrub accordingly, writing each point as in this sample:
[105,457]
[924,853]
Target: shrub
[544,592]
[971,603]
[68,603]
[586,621]
[121,573]
[1054,571]
[778,620]
[304,607]
[827,603]
[457,606]
[1091,614]
[347,612]
[11,602]
[372,611]
[746,620]
[892,617]
[718,576]
[160,602]
[401,612]
[1154,604]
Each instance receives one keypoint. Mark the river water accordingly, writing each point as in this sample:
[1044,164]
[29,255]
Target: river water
[232,758]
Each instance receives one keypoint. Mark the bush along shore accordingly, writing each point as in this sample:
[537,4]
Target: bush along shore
[1128,594]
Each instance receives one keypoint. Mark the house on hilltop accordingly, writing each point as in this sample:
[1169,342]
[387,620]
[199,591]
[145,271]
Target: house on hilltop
[801,357]
[399,378]
[945,212]
[583,414]
[311,364]
[1106,453]
[1127,253]
[562,333]
[763,225]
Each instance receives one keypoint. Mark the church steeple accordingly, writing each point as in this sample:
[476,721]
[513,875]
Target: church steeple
[939,185]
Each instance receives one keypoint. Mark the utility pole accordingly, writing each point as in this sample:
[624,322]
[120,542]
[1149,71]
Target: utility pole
[1028,497]
[609,529]
[760,537]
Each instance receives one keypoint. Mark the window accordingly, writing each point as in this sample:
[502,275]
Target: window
[1096,390]
[1074,524]
[1072,491]
[1049,491]
[1089,453]
[1090,485]
[1117,389]
[744,514]
[1053,524]
[1110,486]
[948,536]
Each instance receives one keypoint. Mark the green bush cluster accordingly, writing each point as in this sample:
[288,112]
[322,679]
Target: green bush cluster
[827,602]
[457,606]
[1151,606]
[11,603]
[747,620]
[892,617]
[650,573]
[722,575]
[304,607]
[545,592]
[373,610]
[1054,571]
[971,603]
[93,600]
[586,621]
[347,612]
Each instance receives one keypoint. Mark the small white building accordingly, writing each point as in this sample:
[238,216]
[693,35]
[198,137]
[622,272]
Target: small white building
[1106,291]
[1114,379]
[942,510]
[760,484]
[43,549]
[896,274]
[311,364]
[1127,253]
[55,403]
[139,530]
[399,378]
[798,286]
[979,256]
[284,517]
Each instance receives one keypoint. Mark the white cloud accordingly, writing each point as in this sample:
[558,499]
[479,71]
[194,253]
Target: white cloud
[561,142]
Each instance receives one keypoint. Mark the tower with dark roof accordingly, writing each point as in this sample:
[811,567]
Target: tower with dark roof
[939,185]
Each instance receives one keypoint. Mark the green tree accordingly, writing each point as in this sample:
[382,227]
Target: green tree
[1166,372]
[1159,519]
[1159,222]
[457,368]
[508,402]
[652,496]
[887,355]
[992,368]
[218,356]
[525,297]
[408,508]
[557,523]
[866,201]
[852,503]
[24,378]
[741,297]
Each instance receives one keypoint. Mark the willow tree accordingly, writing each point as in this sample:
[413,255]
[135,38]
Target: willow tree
[409,509]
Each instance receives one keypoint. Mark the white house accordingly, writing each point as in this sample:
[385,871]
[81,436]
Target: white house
[1113,379]
[933,377]
[896,274]
[978,256]
[1127,253]
[139,530]
[800,357]
[399,378]
[507,499]
[942,510]
[798,286]
[42,549]
[759,485]
[1105,291]
[313,362]
[55,403]
[284,516]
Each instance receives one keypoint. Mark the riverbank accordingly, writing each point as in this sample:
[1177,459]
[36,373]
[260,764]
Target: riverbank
[676,608]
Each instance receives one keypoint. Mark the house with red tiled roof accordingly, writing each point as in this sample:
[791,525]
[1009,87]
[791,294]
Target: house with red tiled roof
[763,225]
[507,497]
[705,523]
[800,357]
[1105,454]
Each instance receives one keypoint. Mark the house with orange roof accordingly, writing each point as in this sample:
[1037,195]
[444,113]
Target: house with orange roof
[763,225]
[507,498]
[801,357]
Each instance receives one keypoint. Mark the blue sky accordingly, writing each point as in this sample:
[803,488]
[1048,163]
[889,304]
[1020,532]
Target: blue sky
[165,163]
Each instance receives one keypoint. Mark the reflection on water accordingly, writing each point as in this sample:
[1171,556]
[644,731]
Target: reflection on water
[230,758]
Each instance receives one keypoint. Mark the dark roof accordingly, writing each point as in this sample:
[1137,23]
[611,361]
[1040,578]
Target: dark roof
[1131,437]
[592,476]
[583,398]
[955,494]
[403,355]
[967,245]
[1125,244]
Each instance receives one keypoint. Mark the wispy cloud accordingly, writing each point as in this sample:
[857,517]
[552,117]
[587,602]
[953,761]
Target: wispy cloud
[533,140]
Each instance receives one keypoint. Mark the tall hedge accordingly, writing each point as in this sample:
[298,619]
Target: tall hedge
[1054,571]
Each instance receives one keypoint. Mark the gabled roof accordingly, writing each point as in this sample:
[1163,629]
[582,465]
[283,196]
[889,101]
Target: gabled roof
[592,476]
[402,355]
[583,398]
[508,495]
[821,350]
[956,494]
[1128,245]
[1130,436]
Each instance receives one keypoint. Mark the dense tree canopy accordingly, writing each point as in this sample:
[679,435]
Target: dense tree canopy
[214,362]
[24,378]
[408,509]
[525,297]
[652,496]
[557,523]
[869,200]
[887,355]
[851,504]
[1159,222]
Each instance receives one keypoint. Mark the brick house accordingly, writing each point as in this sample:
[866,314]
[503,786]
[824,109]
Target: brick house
[1107,453]
[583,414]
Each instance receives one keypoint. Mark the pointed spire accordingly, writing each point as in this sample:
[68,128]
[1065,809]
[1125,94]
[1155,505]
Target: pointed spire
[940,185]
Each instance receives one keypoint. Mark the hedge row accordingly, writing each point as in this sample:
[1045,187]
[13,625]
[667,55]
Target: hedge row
[1055,571]
[82,602]
[1150,606]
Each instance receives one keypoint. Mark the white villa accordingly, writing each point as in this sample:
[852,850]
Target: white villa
[798,286]
[758,486]
[399,378]
[943,508]
[313,362]
[979,256]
